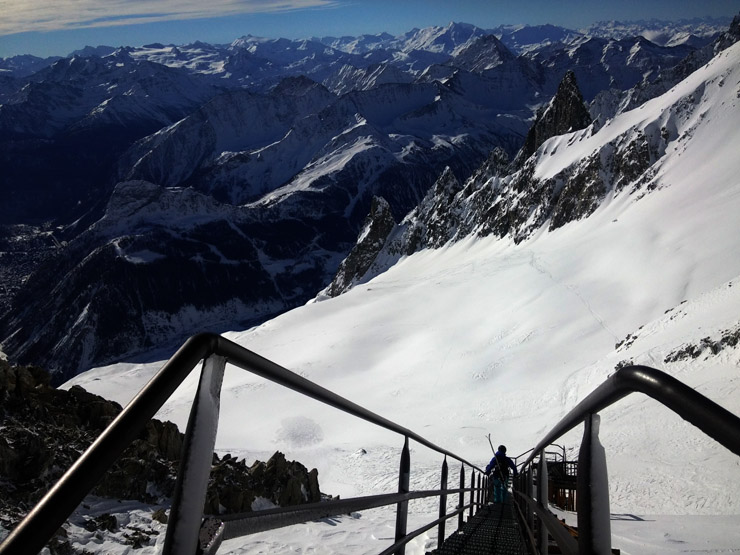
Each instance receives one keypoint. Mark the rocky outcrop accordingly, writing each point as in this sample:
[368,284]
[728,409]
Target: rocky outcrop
[44,430]
[438,219]
[705,347]
[234,487]
[566,112]
[375,231]
[432,222]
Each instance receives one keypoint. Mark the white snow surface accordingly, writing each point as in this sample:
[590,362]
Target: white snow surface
[487,336]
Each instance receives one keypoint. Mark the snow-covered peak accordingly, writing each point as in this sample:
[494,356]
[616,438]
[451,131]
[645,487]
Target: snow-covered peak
[358,45]
[441,40]
[658,31]
[25,64]
[482,54]
[529,37]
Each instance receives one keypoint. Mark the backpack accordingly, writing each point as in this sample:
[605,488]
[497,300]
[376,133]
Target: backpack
[501,470]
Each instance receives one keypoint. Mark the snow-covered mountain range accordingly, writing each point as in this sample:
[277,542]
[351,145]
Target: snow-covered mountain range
[500,302]
[156,190]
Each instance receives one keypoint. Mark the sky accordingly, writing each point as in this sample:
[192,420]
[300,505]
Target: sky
[45,28]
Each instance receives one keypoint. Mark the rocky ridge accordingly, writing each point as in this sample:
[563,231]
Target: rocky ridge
[517,200]
[566,112]
[376,228]
[452,210]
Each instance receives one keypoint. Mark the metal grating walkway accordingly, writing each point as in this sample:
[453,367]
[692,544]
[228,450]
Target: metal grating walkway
[492,531]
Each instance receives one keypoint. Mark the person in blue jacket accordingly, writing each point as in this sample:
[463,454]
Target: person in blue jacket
[499,468]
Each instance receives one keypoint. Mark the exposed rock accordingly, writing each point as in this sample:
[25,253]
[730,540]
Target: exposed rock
[707,346]
[432,223]
[375,230]
[566,112]
[233,487]
[160,515]
[46,429]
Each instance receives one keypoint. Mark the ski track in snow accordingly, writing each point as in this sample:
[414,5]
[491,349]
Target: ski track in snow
[537,263]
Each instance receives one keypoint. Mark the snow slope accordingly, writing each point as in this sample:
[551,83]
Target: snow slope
[485,335]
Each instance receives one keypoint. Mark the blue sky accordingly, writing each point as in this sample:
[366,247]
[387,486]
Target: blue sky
[57,27]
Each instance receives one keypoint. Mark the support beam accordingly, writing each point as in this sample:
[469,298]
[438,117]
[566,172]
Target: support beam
[442,505]
[186,513]
[594,526]
[543,539]
[403,487]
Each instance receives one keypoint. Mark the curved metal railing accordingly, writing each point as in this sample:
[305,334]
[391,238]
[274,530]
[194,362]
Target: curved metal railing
[594,530]
[187,530]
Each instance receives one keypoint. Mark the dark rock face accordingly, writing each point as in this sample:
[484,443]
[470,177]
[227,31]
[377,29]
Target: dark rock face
[233,486]
[430,224]
[375,231]
[46,429]
[566,112]
[441,216]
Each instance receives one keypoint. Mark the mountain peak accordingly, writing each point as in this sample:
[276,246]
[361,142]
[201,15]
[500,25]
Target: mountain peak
[566,112]
[483,53]
[375,230]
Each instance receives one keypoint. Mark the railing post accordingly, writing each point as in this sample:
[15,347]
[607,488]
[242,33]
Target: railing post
[472,493]
[542,500]
[530,492]
[442,504]
[403,487]
[186,512]
[461,498]
[594,527]
[478,494]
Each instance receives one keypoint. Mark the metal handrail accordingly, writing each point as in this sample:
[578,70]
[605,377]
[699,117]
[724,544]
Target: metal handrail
[237,525]
[593,505]
[712,419]
[53,509]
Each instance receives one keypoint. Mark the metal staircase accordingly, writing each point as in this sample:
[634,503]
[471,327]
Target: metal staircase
[494,530]
[523,525]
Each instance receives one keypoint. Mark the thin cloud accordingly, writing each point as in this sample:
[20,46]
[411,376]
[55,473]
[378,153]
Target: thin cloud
[42,15]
